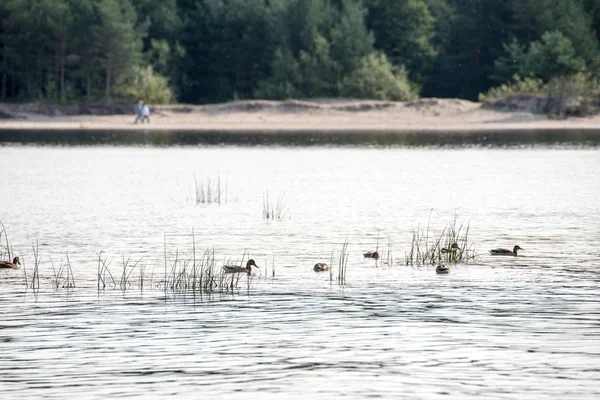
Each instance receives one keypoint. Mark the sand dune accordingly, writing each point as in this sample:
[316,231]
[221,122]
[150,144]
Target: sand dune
[293,115]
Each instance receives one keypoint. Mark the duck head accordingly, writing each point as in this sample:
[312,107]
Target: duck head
[442,269]
[16,261]
[516,248]
[250,264]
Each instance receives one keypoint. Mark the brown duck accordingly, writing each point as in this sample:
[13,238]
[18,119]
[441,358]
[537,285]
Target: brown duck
[442,269]
[505,252]
[12,265]
[450,249]
[321,267]
[236,269]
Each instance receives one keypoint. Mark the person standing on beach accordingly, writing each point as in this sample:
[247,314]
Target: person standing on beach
[138,111]
[146,114]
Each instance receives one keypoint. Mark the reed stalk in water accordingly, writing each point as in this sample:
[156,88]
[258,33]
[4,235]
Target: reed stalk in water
[6,247]
[343,264]
[35,279]
[387,257]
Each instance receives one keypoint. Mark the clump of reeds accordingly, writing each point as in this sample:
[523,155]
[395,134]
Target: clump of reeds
[104,273]
[210,193]
[63,276]
[427,247]
[199,275]
[128,268]
[274,210]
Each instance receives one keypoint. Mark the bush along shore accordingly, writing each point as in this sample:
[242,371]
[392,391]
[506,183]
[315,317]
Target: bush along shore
[558,108]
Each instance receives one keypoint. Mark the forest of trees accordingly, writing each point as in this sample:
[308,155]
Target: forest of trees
[200,51]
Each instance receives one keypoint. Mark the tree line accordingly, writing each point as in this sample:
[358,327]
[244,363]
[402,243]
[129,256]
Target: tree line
[199,51]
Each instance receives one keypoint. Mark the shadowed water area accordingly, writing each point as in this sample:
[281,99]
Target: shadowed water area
[494,328]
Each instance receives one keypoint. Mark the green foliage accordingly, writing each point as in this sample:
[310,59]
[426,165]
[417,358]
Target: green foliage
[144,84]
[52,45]
[405,31]
[350,39]
[553,55]
[376,78]
[575,85]
[216,50]
[229,45]
[511,63]
[477,31]
[518,86]
[320,48]
[121,48]
[312,74]
[563,86]
[569,17]
[319,72]
[286,75]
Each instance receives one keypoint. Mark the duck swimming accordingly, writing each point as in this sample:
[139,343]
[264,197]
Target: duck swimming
[236,269]
[450,249]
[371,254]
[12,265]
[442,269]
[321,267]
[505,252]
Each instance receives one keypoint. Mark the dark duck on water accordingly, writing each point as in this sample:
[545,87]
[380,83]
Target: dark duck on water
[506,252]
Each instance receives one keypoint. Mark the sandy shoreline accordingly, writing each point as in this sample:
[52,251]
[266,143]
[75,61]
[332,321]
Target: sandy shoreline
[435,115]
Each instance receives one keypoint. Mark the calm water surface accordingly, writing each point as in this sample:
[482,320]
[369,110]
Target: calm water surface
[497,328]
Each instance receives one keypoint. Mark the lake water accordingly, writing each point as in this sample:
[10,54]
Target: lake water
[494,328]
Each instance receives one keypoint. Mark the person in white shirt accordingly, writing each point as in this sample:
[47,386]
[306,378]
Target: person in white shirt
[146,114]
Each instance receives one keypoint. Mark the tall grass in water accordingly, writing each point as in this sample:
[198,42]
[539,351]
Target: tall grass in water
[5,248]
[274,210]
[128,269]
[6,251]
[199,275]
[342,264]
[210,193]
[104,273]
[63,276]
[35,279]
[427,247]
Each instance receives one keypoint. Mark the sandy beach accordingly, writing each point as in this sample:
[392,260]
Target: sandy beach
[272,116]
